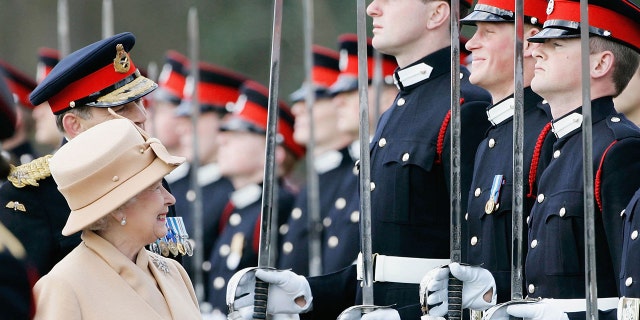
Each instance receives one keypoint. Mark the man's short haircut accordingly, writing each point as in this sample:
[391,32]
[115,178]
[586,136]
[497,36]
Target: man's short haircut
[626,60]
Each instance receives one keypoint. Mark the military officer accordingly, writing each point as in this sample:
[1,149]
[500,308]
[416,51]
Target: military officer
[83,89]
[487,241]
[410,157]
[217,87]
[242,149]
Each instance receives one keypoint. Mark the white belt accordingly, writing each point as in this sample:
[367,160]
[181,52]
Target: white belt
[575,305]
[399,269]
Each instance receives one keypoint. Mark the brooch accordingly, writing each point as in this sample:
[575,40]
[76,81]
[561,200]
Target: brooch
[160,264]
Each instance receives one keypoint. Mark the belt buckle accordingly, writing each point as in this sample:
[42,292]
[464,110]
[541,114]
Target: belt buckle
[630,308]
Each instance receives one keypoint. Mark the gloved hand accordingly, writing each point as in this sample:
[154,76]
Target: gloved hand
[382,314]
[476,283]
[288,292]
[537,311]
[285,286]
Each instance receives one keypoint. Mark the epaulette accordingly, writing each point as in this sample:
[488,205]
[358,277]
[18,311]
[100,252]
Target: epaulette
[29,173]
[9,242]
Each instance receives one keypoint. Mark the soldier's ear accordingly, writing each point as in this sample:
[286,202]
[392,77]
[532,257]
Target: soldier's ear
[72,124]
[438,14]
[528,47]
[602,64]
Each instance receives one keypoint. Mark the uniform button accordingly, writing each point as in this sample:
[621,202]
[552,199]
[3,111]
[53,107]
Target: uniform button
[332,242]
[206,266]
[528,218]
[556,154]
[405,157]
[534,243]
[224,250]
[382,142]
[191,196]
[615,119]
[492,143]
[340,203]
[401,102]
[540,198]
[466,216]
[634,234]
[235,219]
[218,283]
[563,211]
[532,288]
[477,192]
[326,222]
[287,247]
[474,240]
[373,185]
[296,213]
[283,229]
[355,216]
[622,213]
[628,282]
[461,75]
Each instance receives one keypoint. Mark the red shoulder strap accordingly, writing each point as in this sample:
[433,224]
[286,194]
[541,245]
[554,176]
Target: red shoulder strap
[597,187]
[533,170]
[224,218]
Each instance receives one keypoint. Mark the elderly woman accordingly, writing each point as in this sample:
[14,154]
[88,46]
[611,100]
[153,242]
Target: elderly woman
[117,200]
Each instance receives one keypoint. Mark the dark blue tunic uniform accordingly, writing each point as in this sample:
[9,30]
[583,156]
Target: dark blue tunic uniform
[409,198]
[335,167]
[238,242]
[488,237]
[555,262]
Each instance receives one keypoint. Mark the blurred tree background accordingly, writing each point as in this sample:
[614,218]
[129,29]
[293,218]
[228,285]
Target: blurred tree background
[233,33]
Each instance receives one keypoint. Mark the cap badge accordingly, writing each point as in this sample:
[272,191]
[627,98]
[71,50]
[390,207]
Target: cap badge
[550,7]
[121,61]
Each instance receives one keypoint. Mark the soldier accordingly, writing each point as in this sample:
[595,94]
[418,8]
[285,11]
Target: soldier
[487,241]
[410,168]
[217,88]
[85,88]
[242,156]
[19,145]
[46,131]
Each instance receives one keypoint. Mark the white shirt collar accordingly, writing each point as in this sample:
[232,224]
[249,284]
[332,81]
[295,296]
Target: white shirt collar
[178,173]
[327,161]
[412,75]
[501,112]
[566,124]
[208,174]
[246,195]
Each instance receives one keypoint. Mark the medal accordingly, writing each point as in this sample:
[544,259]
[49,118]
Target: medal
[164,248]
[492,204]
[188,248]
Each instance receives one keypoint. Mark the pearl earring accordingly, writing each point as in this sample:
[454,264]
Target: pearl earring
[123,221]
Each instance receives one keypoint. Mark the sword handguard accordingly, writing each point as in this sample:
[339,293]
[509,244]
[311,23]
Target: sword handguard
[356,312]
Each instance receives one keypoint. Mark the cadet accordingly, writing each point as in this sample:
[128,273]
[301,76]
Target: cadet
[46,131]
[217,88]
[83,89]
[410,171]
[487,241]
[242,149]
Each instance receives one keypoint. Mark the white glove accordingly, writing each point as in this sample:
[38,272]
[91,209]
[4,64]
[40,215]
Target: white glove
[285,287]
[476,283]
[537,311]
[382,314]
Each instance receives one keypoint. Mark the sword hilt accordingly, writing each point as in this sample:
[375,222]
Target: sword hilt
[454,297]
[260,300]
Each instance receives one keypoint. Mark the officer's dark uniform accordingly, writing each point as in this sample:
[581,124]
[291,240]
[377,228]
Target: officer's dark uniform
[488,237]
[16,300]
[629,285]
[409,181]
[31,206]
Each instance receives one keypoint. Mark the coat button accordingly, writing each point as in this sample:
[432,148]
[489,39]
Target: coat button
[474,241]
[628,282]
[235,219]
[218,283]
[466,216]
[540,198]
[634,234]
[284,229]
[326,222]
[532,288]
[477,192]
[287,247]
[340,203]
[492,143]
[556,154]
[615,119]
[405,157]
[401,102]
[355,216]
[296,213]
[224,250]
[373,185]
[382,142]
[622,213]
[528,218]
[534,243]
[563,211]
[333,242]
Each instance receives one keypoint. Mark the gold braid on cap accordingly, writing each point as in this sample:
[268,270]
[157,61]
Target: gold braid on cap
[29,173]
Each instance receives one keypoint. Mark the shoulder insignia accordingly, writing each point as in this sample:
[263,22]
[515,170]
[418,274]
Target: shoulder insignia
[29,173]
[16,206]
[9,242]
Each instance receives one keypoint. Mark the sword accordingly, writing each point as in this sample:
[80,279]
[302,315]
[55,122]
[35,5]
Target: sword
[63,28]
[591,288]
[268,212]
[313,202]
[193,37]
[107,18]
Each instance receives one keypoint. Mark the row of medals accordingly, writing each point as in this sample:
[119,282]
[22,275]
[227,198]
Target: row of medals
[176,242]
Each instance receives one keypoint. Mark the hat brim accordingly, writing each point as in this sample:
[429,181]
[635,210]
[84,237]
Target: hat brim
[553,33]
[344,84]
[132,91]
[239,125]
[83,217]
[301,94]
[482,16]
